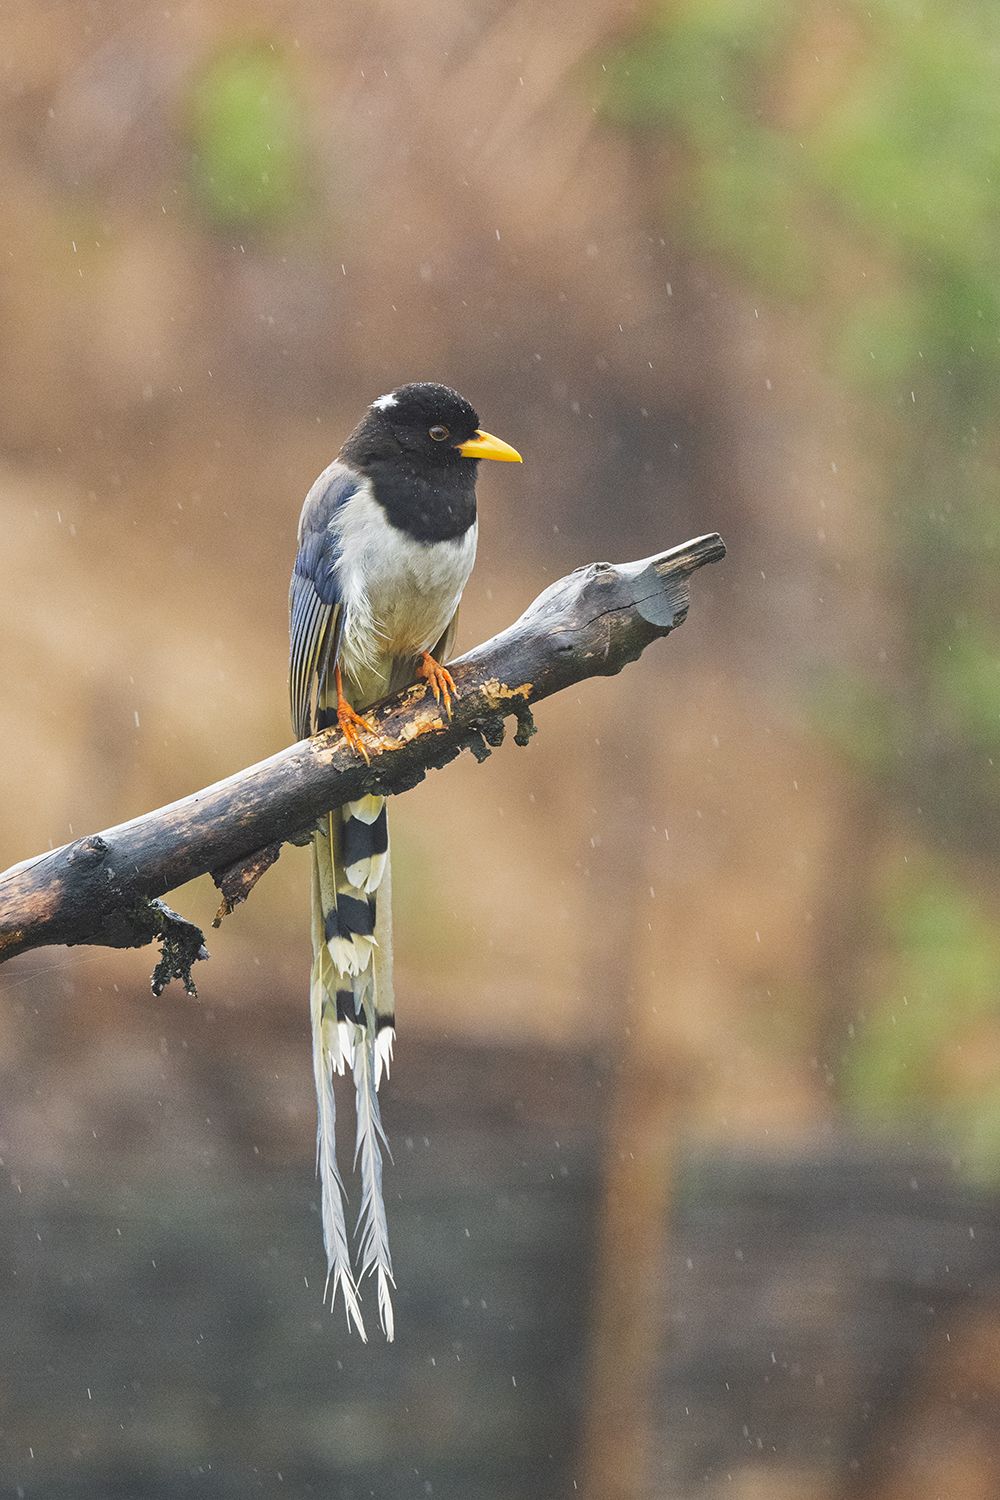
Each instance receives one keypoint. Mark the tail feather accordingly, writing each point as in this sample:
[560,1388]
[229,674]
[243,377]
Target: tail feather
[385,1036]
[366,843]
[328,1057]
[373,1228]
[339,1275]
[353,1022]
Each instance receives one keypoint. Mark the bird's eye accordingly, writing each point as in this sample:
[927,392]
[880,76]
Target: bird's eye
[439,433]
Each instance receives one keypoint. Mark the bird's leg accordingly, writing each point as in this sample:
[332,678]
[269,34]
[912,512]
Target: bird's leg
[351,724]
[439,680]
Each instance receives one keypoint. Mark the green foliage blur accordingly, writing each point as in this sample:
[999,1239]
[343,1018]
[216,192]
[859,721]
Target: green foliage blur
[245,128]
[873,206]
[900,158]
[926,1050]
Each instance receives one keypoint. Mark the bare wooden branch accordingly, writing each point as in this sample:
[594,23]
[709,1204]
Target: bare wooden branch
[104,888]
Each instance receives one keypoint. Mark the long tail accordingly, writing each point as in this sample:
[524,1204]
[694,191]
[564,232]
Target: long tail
[328,1058]
[353,1023]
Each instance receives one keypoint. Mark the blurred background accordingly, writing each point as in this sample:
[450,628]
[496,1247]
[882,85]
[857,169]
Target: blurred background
[696,1106]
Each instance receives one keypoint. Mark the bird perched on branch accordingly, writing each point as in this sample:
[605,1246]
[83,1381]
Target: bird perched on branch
[387,539]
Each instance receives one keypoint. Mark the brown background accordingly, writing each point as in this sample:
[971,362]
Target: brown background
[625,955]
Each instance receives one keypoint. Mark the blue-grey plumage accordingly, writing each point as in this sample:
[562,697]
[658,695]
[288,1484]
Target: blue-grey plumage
[387,540]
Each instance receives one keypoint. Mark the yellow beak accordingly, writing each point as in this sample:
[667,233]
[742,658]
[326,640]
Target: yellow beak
[485,445]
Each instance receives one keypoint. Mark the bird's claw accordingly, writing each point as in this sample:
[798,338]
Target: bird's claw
[439,680]
[352,725]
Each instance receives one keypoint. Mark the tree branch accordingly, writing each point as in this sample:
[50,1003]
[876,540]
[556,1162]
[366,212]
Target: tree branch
[104,889]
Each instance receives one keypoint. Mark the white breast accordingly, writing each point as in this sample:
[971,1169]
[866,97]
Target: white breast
[400,595]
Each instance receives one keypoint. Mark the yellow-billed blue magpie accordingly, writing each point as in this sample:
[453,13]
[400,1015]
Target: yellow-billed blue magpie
[387,540]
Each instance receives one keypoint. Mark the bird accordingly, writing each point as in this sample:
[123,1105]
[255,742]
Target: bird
[386,544]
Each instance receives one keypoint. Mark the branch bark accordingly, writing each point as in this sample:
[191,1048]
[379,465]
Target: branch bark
[105,888]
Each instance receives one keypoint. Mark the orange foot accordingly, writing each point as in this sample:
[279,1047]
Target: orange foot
[439,680]
[353,724]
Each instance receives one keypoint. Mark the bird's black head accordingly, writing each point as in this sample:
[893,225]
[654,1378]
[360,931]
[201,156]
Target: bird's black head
[424,425]
[411,446]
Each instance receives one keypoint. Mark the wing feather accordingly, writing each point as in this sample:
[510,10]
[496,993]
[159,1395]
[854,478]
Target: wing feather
[315,605]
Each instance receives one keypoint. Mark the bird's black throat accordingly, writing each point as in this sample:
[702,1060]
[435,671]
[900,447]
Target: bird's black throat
[428,503]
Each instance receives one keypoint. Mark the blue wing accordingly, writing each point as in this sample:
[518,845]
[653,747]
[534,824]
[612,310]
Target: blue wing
[315,606]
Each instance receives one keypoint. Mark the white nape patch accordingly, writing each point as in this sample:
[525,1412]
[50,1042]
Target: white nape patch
[382,403]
